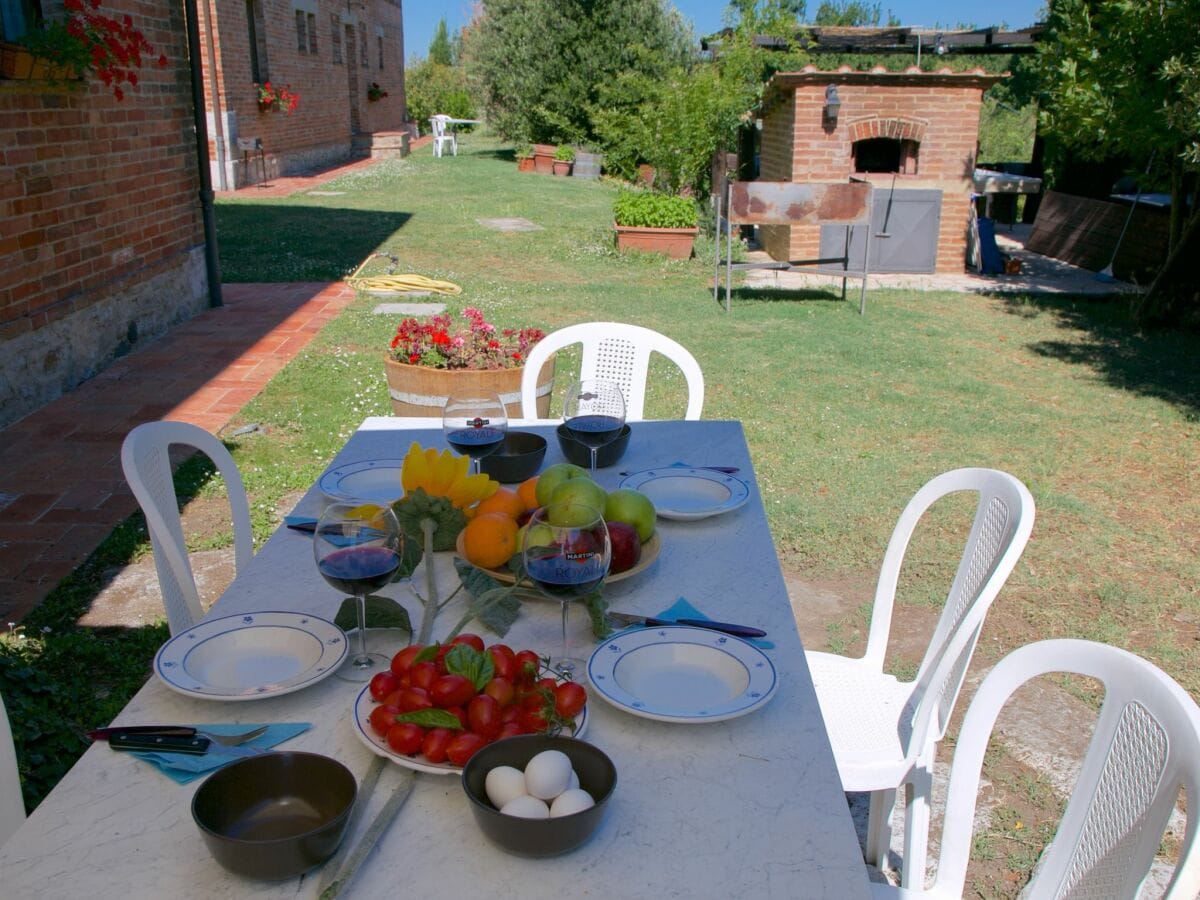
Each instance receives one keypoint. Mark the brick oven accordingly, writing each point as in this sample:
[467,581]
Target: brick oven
[912,134]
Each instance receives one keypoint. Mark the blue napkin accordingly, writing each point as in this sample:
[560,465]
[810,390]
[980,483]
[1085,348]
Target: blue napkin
[682,609]
[184,767]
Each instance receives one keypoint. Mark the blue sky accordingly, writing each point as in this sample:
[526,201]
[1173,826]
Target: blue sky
[421,16]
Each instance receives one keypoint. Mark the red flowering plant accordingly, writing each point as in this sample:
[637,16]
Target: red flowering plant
[271,97]
[89,41]
[480,346]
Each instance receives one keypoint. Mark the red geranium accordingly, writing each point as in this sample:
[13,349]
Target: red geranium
[435,344]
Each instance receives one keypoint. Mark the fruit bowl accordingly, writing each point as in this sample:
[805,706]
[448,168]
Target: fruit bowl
[650,551]
[580,455]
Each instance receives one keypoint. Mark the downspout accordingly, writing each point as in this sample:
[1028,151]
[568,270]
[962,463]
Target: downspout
[218,118]
[211,263]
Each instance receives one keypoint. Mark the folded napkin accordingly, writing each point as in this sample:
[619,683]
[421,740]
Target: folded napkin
[184,767]
[682,609]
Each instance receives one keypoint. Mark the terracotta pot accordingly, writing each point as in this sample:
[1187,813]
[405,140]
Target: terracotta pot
[673,242]
[562,167]
[525,164]
[422,391]
[543,158]
[646,174]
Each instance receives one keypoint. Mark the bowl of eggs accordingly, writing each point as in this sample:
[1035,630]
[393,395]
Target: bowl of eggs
[539,795]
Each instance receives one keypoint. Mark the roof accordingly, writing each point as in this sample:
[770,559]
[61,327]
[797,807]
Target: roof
[912,76]
[903,39]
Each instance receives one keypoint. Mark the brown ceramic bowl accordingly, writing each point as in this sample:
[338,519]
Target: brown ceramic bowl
[276,815]
[578,453]
[539,837]
[519,457]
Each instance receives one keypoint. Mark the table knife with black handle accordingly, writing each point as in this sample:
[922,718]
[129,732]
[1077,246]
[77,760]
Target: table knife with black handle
[743,631]
[159,743]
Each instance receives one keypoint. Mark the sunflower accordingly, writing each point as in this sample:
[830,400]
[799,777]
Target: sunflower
[444,474]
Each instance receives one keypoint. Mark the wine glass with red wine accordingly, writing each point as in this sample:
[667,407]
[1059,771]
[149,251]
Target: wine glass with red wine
[358,548]
[475,425]
[594,411]
[567,553]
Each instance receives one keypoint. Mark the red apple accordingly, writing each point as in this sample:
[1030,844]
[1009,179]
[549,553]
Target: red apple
[626,546]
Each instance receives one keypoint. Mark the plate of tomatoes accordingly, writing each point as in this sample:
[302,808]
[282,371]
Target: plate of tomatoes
[435,706]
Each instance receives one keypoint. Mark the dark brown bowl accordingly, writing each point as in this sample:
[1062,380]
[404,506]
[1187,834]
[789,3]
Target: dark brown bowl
[539,837]
[519,457]
[578,453]
[276,815]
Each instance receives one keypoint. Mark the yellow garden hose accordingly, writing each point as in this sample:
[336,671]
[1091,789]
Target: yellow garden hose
[399,283]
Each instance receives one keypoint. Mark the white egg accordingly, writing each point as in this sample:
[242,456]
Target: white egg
[574,782]
[503,784]
[571,801]
[548,774]
[526,807]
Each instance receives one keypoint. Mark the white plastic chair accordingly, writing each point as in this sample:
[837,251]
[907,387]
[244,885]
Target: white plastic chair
[442,136]
[884,731]
[1144,749]
[146,461]
[12,807]
[619,353]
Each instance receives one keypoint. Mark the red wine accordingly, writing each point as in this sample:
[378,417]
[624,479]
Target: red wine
[475,442]
[359,570]
[563,577]
[594,430]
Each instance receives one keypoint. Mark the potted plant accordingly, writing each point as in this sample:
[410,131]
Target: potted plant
[375,93]
[85,41]
[564,157]
[543,158]
[271,97]
[429,361]
[653,222]
[524,154]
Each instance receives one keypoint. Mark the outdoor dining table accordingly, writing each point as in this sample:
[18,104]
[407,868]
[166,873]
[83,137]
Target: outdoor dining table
[747,807]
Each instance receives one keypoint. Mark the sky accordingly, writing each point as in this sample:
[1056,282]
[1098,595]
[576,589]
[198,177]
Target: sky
[421,16]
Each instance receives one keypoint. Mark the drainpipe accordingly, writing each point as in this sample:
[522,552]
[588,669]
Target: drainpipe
[218,116]
[211,263]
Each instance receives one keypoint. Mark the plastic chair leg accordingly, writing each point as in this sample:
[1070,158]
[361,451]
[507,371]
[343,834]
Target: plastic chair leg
[916,829]
[879,827]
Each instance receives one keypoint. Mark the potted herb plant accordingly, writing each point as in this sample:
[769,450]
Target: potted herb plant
[524,154]
[430,360]
[653,222]
[564,158]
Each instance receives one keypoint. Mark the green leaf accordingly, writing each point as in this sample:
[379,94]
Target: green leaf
[382,612]
[497,609]
[417,505]
[431,718]
[411,553]
[597,609]
[476,581]
[427,654]
[476,667]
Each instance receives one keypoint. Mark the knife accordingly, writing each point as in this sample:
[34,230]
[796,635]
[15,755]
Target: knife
[744,631]
[103,734]
[159,743]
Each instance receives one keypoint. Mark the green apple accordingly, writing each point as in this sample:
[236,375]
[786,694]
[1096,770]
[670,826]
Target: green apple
[540,535]
[555,475]
[633,508]
[575,502]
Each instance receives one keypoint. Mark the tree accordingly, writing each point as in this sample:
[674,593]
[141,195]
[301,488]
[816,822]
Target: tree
[1122,78]
[432,88]
[439,47]
[849,12]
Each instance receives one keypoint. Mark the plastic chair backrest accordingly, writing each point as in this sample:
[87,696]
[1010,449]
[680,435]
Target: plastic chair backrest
[12,806]
[615,352]
[999,532]
[146,461]
[1145,747]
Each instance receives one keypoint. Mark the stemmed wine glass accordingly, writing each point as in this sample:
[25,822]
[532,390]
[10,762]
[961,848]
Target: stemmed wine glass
[567,553]
[594,411]
[358,548]
[475,424]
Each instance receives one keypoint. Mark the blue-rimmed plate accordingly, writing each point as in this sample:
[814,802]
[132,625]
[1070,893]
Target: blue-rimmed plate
[246,657]
[678,492]
[681,674]
[370,479]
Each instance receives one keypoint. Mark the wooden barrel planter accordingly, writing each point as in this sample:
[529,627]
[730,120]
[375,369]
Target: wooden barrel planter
[422,391]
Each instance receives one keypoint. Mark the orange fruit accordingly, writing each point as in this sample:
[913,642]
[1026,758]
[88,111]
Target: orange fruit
[505,500]
[527,491]
[490,540]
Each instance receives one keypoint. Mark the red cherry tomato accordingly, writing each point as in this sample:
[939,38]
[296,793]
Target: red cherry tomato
[528,666]
[546,684]
[510,729]
[462,747]
[451,690]
[383,683]
[414,698]
[501,690]
[433,747]
[483,716]
[423,675]
[466,637]
[382,718]
[510,713]
[405,738]
[504,661]
[459,713]
[533,721]
[569,699]
[403,661]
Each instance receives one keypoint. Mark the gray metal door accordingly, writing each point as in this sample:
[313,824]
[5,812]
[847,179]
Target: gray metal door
[904,234]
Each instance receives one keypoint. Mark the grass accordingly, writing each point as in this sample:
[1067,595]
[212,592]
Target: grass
[845,416]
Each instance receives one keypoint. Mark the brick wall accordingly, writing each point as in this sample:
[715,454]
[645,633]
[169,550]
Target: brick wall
[940,111]
[333,94]
[101,243]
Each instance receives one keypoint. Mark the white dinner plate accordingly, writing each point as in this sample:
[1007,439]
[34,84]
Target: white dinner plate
[681,674]
[371,479]
[682,493]
[362,727]
[246,657]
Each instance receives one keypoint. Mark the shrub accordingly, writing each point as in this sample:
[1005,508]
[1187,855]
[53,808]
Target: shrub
[648,209]
[432,89]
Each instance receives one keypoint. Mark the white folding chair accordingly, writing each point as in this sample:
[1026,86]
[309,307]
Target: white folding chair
[615,352]
[442,136]
[1145,747]
[146,461]
[884,731]
[12,807]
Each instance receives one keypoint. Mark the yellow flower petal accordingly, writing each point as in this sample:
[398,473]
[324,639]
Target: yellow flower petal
[444,474]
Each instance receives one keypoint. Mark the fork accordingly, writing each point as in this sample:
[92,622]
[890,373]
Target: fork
[233,740]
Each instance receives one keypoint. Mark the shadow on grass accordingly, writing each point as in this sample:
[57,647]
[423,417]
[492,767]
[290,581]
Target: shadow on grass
[1157,363]
[785,295]
[282,241]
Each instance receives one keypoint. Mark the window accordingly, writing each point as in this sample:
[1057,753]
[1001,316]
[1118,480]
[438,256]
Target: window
[379,41]
[17,17]
[301,32]
[312,33]
[257,30]
[362,42]
[335,29]
[886,155]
